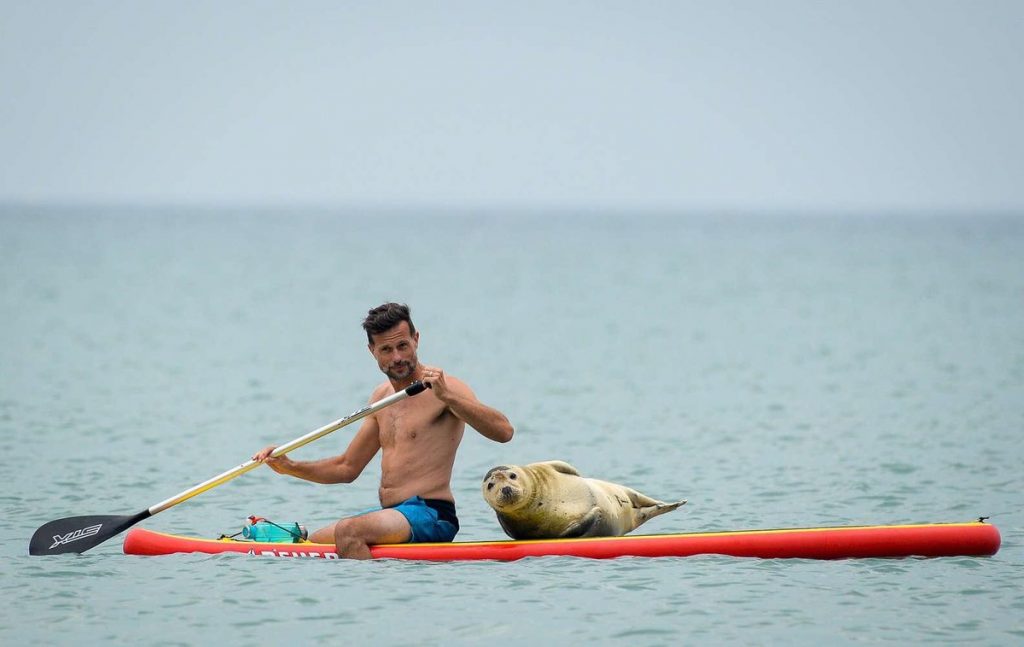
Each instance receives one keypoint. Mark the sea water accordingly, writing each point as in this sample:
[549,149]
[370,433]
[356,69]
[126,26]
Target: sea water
[776,370]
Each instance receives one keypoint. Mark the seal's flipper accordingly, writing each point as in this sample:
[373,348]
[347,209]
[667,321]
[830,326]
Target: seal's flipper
[643,501]
[645,513]
[561,466]
[591,525]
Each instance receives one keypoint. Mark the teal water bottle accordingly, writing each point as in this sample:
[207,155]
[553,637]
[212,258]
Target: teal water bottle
[266,531]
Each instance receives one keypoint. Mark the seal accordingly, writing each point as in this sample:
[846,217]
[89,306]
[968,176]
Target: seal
[551,500]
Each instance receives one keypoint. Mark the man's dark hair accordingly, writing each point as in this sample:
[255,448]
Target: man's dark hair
[384,318]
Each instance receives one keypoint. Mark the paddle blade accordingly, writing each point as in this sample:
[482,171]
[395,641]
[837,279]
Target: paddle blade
[79,534]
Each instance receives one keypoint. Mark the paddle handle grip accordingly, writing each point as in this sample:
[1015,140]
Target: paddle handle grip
[411,390]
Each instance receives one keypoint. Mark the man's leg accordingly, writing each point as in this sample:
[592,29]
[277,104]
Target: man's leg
[353,536]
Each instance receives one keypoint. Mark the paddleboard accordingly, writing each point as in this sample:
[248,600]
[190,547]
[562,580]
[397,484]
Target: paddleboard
[841,542]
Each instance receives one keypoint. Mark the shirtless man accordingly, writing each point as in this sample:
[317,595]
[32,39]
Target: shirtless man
[418,437]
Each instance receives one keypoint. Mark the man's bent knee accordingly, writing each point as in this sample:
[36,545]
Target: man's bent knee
[354,536]
[348,543]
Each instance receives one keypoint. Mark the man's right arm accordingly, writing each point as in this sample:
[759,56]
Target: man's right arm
[335,469]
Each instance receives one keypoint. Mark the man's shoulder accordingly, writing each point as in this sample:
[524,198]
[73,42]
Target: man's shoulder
[382,390]
[458,384]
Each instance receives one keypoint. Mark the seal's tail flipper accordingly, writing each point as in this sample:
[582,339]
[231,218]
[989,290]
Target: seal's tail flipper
[639,500]
[644,513]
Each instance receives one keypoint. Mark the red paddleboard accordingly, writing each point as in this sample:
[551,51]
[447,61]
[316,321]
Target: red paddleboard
[974,539]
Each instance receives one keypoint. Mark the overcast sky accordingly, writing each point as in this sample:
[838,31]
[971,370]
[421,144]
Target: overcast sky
[639,105]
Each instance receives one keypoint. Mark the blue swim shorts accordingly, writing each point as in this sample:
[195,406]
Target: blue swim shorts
[431,520]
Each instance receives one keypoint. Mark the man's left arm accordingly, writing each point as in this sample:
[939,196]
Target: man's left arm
[461,401]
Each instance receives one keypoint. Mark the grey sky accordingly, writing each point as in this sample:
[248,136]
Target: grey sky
[734,105]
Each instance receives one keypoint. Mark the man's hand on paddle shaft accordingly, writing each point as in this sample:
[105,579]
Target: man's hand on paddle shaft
[279,464]
[433,377]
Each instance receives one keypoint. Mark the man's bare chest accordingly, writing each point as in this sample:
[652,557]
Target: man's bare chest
[403,425]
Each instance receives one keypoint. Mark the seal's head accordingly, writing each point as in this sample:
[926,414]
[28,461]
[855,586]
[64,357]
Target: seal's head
[504,487]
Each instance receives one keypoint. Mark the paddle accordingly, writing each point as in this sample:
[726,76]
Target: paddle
[79,534]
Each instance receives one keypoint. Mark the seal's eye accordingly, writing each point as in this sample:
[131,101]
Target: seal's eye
[490,486]
[512,476]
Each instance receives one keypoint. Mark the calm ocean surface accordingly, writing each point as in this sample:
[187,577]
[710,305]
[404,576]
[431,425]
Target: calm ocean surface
[776,371]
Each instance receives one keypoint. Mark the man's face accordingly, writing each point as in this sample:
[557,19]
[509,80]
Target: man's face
[395,351]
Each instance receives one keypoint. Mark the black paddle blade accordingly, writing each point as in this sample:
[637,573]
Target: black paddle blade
[79,534]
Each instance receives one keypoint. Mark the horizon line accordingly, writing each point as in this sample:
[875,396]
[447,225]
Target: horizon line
[521,209]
